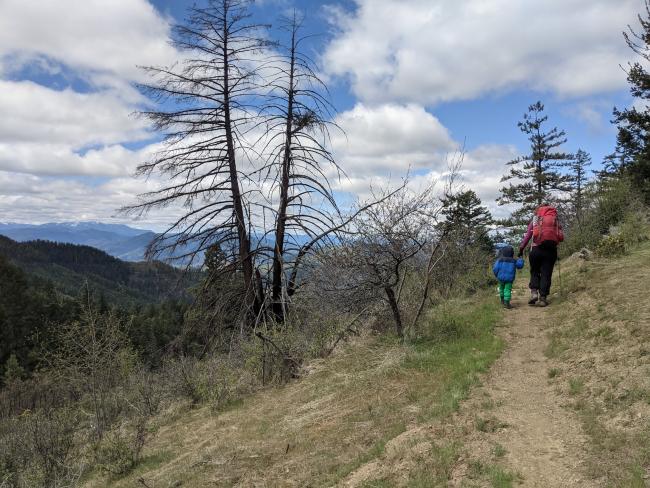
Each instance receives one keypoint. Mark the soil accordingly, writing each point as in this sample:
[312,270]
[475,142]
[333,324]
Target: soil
[529,417]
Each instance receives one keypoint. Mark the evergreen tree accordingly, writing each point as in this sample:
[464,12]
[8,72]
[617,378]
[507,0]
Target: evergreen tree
[578,167]
[537,177]
[632,155]
[13,370]
[464,214]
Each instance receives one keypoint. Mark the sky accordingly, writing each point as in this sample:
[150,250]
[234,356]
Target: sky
[413,82]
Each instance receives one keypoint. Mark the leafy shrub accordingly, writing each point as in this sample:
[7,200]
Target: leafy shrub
[611,246]
[633,229]
[610,205]
[145,391]
[213,380]
[37,449]
[120,450]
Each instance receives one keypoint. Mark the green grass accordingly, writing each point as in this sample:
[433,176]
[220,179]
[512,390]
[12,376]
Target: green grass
[554,372]
[456,344]
[599,334]
[498,451]
[377,484]
[576,386]
[497,476]
[500,478]
[374,452]
[459,343]
[556,346]
[489,425]
[434,468]
[343,415]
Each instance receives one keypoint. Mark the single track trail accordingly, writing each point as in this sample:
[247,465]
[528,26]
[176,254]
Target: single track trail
[518,409]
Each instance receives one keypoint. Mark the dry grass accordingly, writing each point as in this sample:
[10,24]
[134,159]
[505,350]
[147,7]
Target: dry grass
[599,339]
[367,402]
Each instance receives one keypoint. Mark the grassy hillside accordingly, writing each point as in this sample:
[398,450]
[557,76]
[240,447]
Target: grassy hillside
[345,412]
[599,342]
[378,414]
[69,266]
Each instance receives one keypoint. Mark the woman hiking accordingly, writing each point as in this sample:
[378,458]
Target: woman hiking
[546,233]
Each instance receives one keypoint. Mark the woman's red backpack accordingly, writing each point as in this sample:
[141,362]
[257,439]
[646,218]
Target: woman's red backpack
[546,226]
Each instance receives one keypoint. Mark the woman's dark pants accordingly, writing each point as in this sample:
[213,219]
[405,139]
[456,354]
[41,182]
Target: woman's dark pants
[542,260]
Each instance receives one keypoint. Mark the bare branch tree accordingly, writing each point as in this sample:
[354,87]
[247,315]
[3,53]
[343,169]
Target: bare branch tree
[384,240]
[205,106]
[300,162]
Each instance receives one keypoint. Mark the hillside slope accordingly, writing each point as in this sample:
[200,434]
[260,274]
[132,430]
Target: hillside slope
[566,405]
[69,266]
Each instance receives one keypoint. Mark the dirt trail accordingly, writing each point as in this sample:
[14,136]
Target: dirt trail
[517,408]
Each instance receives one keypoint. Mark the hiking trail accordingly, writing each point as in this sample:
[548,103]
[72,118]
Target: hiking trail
[542,438]
[515,408]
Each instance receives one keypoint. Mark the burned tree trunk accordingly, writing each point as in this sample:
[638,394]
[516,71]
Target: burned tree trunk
[280,229]
[301,117]
[202,106]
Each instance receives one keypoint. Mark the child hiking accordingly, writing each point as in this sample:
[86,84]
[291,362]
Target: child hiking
[546,233]
[505,269]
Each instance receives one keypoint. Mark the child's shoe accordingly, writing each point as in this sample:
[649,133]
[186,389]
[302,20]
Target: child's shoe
[542,302]
[533,297]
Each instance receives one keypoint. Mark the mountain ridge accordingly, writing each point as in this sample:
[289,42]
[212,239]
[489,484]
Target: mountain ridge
[118,240]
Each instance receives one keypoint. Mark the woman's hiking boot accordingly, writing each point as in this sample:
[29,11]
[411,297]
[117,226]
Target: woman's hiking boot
[542,302]
[507,305]
[533,297]
[503,301]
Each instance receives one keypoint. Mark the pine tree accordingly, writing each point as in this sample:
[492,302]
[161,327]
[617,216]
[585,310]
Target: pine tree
[537,177]
[13,370]
[578,168]
[464,213]
[632,155]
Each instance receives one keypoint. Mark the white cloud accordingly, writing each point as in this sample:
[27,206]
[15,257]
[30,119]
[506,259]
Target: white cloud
[35,199]
[594,114]
[47,131]
[34,113]
[60,159]
[427,52]
[109,37]
[384,142]
[389,139]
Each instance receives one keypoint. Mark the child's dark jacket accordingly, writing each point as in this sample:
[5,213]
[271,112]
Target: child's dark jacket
[506,266]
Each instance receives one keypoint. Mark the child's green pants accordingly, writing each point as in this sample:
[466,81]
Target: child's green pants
[505,291]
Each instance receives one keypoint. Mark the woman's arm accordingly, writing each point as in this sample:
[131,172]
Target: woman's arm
[527,237]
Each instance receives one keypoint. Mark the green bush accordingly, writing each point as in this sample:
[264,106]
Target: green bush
[633,230]
[612,206]
[37,449]
[217,381]
[120,450]
[611,246]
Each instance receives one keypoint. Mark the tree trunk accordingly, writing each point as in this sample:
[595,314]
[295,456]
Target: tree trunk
[278,251]
[242,233]
[392,301]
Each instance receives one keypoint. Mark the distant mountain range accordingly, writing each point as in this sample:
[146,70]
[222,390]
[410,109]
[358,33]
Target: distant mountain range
[120,241]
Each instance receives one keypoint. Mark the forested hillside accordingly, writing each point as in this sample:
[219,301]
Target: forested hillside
[42,284]
[69,267]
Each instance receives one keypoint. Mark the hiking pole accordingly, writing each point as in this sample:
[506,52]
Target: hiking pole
[559,272]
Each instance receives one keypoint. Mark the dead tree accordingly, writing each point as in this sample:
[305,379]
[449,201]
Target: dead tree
[300,161]
[205,105]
